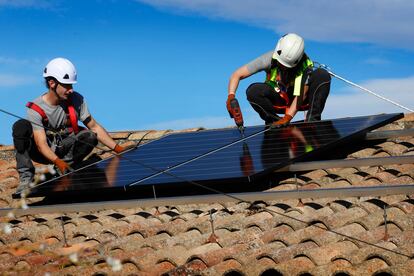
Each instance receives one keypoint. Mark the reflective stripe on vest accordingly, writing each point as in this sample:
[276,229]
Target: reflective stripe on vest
[297,88]
[272,77]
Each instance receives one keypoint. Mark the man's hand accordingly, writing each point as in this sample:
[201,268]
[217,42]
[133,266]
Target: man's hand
[229,98]
[62,166]
[282,122]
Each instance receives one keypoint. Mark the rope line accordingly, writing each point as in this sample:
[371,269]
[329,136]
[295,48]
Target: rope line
[362,88]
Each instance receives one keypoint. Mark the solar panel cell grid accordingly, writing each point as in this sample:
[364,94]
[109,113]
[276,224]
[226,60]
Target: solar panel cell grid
[219,156]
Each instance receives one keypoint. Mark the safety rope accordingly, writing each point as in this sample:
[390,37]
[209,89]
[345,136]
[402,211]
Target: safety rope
[319,65]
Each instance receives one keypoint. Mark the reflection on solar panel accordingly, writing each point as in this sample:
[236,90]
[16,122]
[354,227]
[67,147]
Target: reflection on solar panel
[219,159]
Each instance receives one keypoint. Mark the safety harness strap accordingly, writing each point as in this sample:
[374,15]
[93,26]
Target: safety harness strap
[72,116]
[39,110]
[71,113]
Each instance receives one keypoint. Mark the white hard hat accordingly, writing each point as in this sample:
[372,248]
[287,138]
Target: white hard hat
[289,50]
[62,70]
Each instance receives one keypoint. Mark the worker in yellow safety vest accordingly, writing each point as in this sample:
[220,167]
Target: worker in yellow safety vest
[291,83]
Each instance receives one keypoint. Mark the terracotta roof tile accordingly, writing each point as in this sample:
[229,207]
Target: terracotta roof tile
[286,253]
[364,153]
[409,152]
[324,254]
[259,266]
[406,268]
[337,265]
[295,266]
[120,135]
[186,130]
[227,266]
[6,164]
[370,266]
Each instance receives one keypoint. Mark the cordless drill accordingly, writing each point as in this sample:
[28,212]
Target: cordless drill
[237,115]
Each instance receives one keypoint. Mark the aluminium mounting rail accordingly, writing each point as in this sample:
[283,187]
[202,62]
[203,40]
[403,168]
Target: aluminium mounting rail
[347,163]
[358,191]
[387,134]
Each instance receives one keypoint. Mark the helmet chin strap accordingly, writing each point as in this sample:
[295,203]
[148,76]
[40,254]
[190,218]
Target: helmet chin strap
[57,95]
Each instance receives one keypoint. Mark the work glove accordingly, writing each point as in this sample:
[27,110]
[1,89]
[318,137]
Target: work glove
[282,122]
[229,98]
[119,149]
[62,166]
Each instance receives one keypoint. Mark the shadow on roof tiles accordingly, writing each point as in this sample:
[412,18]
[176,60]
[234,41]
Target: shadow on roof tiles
[271,272]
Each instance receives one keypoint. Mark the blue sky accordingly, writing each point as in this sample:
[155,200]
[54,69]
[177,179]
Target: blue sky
[165,64]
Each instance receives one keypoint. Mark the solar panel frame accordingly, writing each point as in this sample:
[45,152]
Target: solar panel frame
[182,184]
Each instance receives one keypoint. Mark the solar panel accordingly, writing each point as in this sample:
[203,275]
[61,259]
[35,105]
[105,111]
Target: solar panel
[219,159]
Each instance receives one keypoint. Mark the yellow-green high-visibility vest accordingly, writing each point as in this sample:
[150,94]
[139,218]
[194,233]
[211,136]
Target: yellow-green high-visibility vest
[272,77]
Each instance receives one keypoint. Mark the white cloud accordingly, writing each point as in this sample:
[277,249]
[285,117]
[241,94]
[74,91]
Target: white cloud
[9,80]
[355,102]
[377,61]
[373,21]
[19,62]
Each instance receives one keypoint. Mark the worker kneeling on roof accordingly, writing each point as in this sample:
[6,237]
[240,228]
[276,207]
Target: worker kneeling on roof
[291,83]
[51,133]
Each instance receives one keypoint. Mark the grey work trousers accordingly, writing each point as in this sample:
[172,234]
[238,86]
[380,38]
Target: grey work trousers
[72,148]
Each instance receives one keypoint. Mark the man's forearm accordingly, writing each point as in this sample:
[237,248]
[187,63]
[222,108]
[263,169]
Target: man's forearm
[235,78]
[104,137]
[42,145]
[293,109]
[47,152]
[233,84]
